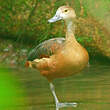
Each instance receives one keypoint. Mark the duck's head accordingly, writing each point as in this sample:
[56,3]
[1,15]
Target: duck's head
[63,12]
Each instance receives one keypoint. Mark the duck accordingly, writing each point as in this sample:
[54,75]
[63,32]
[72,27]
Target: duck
[60,57]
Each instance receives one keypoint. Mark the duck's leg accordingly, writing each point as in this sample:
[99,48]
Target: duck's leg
[58,104]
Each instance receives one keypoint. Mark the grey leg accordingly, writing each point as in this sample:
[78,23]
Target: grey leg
[60,105]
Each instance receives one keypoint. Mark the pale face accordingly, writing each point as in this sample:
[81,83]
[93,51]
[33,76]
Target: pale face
[64,12]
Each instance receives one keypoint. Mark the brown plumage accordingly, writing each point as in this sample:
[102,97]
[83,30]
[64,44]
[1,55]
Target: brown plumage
[62,57]
[58,57]
[46,49]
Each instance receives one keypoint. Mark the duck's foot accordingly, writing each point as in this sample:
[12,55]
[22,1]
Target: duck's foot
[58,104]
[61,105]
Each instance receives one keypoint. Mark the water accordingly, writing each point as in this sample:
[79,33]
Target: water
[90,89]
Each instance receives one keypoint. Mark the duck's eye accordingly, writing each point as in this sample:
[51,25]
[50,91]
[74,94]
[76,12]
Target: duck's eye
[65,10]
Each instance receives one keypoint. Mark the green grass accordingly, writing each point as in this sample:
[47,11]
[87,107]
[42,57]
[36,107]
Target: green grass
[26,22]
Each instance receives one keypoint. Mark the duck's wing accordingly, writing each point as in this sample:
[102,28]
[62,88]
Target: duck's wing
[46,49]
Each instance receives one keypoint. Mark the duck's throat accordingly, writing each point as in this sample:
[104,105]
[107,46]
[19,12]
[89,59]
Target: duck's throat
[70,31]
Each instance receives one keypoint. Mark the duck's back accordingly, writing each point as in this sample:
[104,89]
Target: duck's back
[46,48]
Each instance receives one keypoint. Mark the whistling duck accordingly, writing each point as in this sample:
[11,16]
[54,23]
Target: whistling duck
[59,57]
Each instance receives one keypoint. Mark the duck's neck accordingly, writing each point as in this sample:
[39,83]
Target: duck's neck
[70,31]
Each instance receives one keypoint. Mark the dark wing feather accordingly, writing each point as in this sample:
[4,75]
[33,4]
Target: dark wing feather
[46,48]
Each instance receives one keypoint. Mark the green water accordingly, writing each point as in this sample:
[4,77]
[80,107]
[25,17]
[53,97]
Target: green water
[90,89]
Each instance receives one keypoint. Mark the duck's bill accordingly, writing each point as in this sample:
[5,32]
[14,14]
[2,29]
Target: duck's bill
[54,19]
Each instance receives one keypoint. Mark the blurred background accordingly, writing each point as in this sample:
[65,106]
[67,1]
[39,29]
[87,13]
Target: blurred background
[23,25]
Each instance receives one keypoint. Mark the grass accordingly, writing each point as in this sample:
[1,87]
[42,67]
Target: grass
[26,22]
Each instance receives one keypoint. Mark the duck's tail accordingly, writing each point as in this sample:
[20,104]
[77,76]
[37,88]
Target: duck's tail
[32,64]
[28,64]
